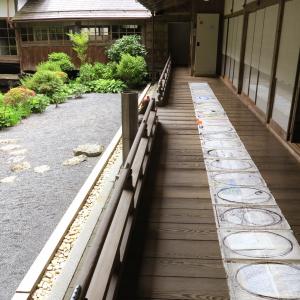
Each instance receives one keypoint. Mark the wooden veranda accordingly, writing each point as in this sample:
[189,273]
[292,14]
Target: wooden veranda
[175,253]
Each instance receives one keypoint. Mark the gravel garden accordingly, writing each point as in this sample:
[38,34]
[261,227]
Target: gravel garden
[42,123]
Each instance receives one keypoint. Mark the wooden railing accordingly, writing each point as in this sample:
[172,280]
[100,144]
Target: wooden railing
[164,83]
[99,274]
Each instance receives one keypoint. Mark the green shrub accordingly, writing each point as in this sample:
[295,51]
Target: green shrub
[77,89]
[110,71]
[43,82]
[17,96]
[132,70]
[130,44]
[48,66]
[39,103]
[87,73]
[80,43]
[63,60]
[58,97]
[9,116]
[62,75]
[108,86]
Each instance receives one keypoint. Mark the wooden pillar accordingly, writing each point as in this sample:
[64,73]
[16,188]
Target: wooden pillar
[129,121]
[153,46]
[242,53]
[275,60]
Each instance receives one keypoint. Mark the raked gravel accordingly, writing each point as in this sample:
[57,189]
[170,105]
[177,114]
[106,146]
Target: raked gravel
[32,203]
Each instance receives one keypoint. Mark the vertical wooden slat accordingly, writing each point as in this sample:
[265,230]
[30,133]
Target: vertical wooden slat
[275,60]
[242,53]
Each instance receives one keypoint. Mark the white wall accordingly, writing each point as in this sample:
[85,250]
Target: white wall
[3,8]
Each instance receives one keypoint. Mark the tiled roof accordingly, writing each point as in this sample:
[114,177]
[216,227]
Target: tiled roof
[81,9]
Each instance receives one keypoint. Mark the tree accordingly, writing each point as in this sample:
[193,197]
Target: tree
[80,45]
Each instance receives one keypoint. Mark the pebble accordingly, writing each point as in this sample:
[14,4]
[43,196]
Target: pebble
[61,256]
[41,169]
[8,141]
[75,160]
[18,152]
[10,147]
[16,159]
[19,167]
[90,150]
[9,179]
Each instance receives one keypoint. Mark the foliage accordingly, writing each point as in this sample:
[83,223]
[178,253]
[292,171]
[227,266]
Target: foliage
[87,73]
[17,96]
[58,98]
[63,60]
[8,116]
[62,75]
[76,89]
[132,70]
[80,43]
[43,82]
[110,71]
[48,66]
[108,86]
[39,103]
[130,44]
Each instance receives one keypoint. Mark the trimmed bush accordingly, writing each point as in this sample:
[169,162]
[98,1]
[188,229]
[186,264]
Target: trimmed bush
[17,96]
[48,66]
[108,86]
[132,70]
[130,44]
[62,75]
[63,60]
[39,103]
[43,82]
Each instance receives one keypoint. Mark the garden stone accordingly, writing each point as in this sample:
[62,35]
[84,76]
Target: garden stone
[16,159]
[20,166]
[8,141]
[10,147]
[41,169]
[18,152]
[9,179]
[90,150]
[75,160]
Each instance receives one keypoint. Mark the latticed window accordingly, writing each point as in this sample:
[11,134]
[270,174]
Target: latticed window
[7,39]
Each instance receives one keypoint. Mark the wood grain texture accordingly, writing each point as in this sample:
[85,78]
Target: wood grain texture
[175,251]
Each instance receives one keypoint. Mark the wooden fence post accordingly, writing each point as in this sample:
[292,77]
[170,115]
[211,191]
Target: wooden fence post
[129,121]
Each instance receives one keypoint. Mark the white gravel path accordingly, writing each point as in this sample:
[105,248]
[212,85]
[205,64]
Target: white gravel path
[32,203]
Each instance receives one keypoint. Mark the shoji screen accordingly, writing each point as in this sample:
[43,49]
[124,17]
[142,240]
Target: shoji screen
[248,52]
[259,24]
[266,56]
[227,7]
[238,5]
[237,50]
[287,63]
[224,46]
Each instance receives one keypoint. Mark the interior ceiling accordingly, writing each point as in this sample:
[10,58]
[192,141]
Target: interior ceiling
[157,5]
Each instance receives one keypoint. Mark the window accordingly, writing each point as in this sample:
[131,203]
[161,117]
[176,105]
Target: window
[45,34]
[97,33]
[119,31]
[7,39]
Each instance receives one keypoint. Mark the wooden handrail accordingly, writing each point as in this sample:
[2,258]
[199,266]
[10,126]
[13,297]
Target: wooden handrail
[99,271]
[164,82]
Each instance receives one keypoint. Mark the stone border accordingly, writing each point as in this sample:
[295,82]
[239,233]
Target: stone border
[39,266]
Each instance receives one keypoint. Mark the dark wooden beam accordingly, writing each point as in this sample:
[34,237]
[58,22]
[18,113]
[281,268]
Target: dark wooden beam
[242,53]
[275,60]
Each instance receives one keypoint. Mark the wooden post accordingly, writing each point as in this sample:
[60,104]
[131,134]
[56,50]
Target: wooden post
[243,52]
[275,61]
[153,46]
[129,121]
